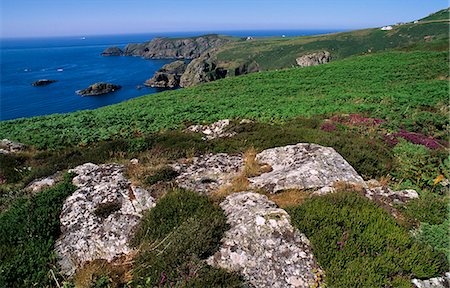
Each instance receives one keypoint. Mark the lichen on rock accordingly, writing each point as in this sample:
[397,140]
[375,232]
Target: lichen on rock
[98,219]
[263,246]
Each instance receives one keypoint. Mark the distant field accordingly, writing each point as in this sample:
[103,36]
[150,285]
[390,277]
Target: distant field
[408,89]
[277,53]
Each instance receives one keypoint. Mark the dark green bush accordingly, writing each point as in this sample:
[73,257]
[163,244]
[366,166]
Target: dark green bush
[437,236]
[12,168]
[429,208]
[28,230]
[163,174]
[359,245]
[174,237]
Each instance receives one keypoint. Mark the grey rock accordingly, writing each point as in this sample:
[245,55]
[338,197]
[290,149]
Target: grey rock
[43,82]
[215,130]
[38,185]
[8,146]
[263,246]
[112,51]
[168,76]
[98,219]
[207,173]
[99,89]
[304,166]
[314,59]
[176,48]
[438,282]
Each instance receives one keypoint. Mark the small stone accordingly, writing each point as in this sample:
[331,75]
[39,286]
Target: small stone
[134,161]
[260,221]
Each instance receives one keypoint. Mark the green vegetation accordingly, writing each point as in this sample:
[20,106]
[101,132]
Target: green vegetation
[402,88]
[443,14]
[419,167]
[279,53]
[351,236]
[436,236]
[163,174]
[173,237]
[28,231]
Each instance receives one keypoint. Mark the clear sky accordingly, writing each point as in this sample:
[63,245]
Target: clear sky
[23,18]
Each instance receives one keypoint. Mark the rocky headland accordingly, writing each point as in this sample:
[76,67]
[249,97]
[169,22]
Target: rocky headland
[112,51]
[168,76]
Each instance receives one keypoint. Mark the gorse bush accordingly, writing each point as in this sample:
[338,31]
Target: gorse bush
[28,230]
[428,208]
[359,245]
[174,237]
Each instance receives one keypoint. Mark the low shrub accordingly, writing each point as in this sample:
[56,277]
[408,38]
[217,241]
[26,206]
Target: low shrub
[419,166]
[174,237]
[359,245]
[436,236]
[28,230]
[164,174]
[428,208]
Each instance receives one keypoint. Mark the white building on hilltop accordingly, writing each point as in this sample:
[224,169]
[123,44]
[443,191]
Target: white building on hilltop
[387,28]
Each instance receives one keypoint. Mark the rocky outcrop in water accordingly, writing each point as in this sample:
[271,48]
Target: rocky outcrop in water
[98,219]
[99,89]
[181,48]
[263,246]
[168,76]
[43,82]
[112,51]
[314,59]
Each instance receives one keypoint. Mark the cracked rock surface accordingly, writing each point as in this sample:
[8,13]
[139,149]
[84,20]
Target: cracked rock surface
[99,217]
[304,166]
[262,244]
[208,172]
[214,130]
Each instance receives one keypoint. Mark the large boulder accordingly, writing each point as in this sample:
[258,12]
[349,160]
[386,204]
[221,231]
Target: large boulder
[98,219]
[314,59]
[304,166]
[99,88]
[263,246]
[112,51]
[438,282]
[168,76]
[176,48]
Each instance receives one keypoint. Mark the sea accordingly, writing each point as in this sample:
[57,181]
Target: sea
[76,62]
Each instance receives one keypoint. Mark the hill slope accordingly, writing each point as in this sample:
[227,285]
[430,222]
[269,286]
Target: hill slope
[443,14]
[409,89]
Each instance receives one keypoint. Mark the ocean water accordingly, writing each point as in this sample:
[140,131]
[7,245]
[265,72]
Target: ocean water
[76,63]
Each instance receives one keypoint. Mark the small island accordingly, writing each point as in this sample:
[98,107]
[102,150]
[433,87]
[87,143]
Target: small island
[99,88]
[43,82]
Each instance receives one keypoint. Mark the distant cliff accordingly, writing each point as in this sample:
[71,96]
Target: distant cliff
[177,48]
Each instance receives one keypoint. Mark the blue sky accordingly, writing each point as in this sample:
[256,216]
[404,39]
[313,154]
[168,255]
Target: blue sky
[23,18]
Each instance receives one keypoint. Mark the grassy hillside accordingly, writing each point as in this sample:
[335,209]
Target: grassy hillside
[408,89]
[443,14]
[276,53]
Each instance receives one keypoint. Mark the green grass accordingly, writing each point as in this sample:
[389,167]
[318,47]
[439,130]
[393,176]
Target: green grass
[278,53]
[440,15]
[28,230]
[359,245]
[400,87]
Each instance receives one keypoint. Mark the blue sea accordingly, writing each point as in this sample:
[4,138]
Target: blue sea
[76,63]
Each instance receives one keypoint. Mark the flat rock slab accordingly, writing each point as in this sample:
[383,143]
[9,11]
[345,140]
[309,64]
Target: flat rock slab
[304,166]
[99,217]
[208,172]
[438,282]
[263,246]
[40,184]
